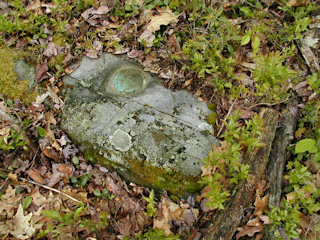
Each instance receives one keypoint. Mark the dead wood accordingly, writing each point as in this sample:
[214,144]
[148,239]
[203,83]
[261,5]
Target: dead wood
[226,221]
[278,156]
[308,55]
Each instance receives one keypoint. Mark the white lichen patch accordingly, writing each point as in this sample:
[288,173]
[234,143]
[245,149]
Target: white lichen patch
[120,140]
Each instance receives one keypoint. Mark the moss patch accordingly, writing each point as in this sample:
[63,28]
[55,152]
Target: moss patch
[10,85]
[145,174]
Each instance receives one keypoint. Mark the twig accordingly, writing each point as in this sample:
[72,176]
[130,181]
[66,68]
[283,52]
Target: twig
[220,130]
[267,104]
[4,183]
[52,189]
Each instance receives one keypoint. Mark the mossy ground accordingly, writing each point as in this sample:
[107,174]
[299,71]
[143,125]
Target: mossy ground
[10,85]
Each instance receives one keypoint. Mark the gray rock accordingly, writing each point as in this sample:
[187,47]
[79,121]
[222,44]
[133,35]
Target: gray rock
[123,118]
[25,71]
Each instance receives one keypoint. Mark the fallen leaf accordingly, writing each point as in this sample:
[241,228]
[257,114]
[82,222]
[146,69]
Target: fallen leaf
[268,2]
[69,151]
[13,177]
[95,16]
[37,198]
[171,211]
[207,170]
[173,43]
[248,231]
[23,229]
[136,54]
[35,6]
[51,153]
[5,228]
[79,194]
[5,132]
[65,168]
[223,148]
[10,201]
[254,222]
[297,3]
[41,71]
[55,177]
[52,50]
[95,49]
[164,18]
[147,38]
[265,219]
[36,177]
[92,11]
[261,204]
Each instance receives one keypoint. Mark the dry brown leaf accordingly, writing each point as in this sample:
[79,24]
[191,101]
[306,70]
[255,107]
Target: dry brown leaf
[165,17]
[173,43]
[78,194]
[254,222]
[41,71]
[223,148]
[13,177]
[297,3]
[37,198]
[261,204]
[36,177]
[265,219]
[65,168]
[147,38]
[5,228]
[5,132]
[172,211]
[10,201]
[136,54]
[23,228]
[163,223]
[51,153]
[248,231]
[35,6]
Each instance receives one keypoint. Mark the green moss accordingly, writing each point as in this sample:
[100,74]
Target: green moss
[145,174]
[212,106]
[10,85]
[211,118]
[56,60]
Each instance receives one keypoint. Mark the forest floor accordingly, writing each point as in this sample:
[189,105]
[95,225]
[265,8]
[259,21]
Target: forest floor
[237,56]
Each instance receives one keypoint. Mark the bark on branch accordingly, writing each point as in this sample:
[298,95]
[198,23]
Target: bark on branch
[226,221]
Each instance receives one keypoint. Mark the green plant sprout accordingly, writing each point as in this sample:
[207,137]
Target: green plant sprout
[151,209]
[229,162]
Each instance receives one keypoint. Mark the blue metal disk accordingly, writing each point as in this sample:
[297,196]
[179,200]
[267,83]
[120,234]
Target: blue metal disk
[128,80]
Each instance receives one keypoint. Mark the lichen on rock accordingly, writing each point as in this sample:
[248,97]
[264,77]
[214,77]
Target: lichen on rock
[150,136]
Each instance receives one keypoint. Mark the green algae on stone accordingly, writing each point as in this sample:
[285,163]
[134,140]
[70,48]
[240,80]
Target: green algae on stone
[11,86]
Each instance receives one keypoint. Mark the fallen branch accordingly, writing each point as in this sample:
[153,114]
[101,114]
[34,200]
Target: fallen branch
[226,221]
[278,155]
[51,189]
[308,55]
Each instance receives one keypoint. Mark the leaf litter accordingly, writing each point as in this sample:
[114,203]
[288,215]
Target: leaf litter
[53,167]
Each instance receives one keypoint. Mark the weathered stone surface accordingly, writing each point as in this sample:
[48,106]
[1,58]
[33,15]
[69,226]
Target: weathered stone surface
[131,123]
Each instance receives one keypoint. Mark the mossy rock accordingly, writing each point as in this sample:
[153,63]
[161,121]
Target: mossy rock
[123,118]
[16,76]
